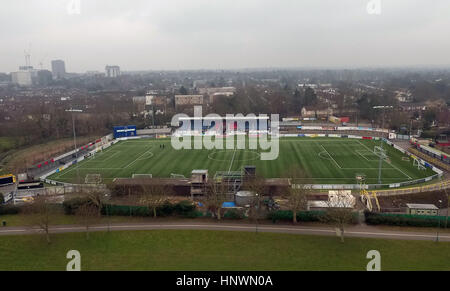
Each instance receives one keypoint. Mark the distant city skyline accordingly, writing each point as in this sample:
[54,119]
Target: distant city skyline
[215,34]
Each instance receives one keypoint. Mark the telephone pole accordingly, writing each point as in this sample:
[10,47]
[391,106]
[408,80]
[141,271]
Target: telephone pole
[75,136]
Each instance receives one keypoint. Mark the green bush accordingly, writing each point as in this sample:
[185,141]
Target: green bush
[405,220]
[429,134]
[233,214]
[70,206]
[184,208]
[165,210]
[194,214]
[123,210]
[5,210]
[304,216]
[280,215]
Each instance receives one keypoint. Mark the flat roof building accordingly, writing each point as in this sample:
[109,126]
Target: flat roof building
[22,78]
[183,100]
[58,69]
[112,71]
[422,209]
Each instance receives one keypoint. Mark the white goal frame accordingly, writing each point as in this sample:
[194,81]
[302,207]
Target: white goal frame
[93,179]
[380,152]
[418,164]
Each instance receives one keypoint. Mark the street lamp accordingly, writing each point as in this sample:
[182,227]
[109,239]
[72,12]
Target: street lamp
[448,202]
[380,165]
[448,206]
[75,136]
[257,212]
[439,221]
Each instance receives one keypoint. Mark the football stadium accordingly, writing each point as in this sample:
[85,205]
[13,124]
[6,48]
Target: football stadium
[322,160]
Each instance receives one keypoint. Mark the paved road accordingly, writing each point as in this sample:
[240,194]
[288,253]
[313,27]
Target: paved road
[355,231]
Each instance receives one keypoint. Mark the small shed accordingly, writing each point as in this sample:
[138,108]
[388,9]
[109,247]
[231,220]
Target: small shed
[422,209]
[199,179]
[199,176]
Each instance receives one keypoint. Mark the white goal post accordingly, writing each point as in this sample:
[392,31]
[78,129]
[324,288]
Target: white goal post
[93,179]
[380,152]
[418,164]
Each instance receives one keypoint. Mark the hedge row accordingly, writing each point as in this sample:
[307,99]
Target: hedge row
[71,206]
[405,220]
[184,208]
[5,210]
[305,216]
[233,214]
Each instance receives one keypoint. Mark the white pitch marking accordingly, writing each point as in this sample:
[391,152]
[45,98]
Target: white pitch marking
[331,157]
[388,162]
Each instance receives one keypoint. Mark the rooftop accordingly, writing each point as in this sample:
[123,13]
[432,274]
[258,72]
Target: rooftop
[199,171]
[422,206]
[226,118]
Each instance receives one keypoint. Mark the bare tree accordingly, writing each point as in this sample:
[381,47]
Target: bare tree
[339,213]
[257,186]
[88,215]
[40,213]
[254,212]
[153,196]
[215,197]
[297,197]
[96,198]
[297,192]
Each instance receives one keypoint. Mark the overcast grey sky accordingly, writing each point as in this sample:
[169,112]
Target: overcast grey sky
[224,34]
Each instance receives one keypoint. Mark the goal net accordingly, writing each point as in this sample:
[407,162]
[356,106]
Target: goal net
[380,152]
[360,177]
[418,164]
[93,179]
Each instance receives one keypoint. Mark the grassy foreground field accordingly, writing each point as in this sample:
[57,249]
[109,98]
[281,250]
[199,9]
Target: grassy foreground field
[62,219]
[216,250]
[324,160]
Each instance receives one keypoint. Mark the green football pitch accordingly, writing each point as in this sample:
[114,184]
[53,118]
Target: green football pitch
[324,160]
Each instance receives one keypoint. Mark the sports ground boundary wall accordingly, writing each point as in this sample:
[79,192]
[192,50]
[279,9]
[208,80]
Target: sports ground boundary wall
[60,190]
[420,189]
[442,157]
[345,130]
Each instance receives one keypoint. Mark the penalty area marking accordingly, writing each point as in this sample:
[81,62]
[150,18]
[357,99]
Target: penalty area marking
[140,158]
[365,151]
[326,157]
[331,157]
[100,159]
[232,160]
[389,163]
